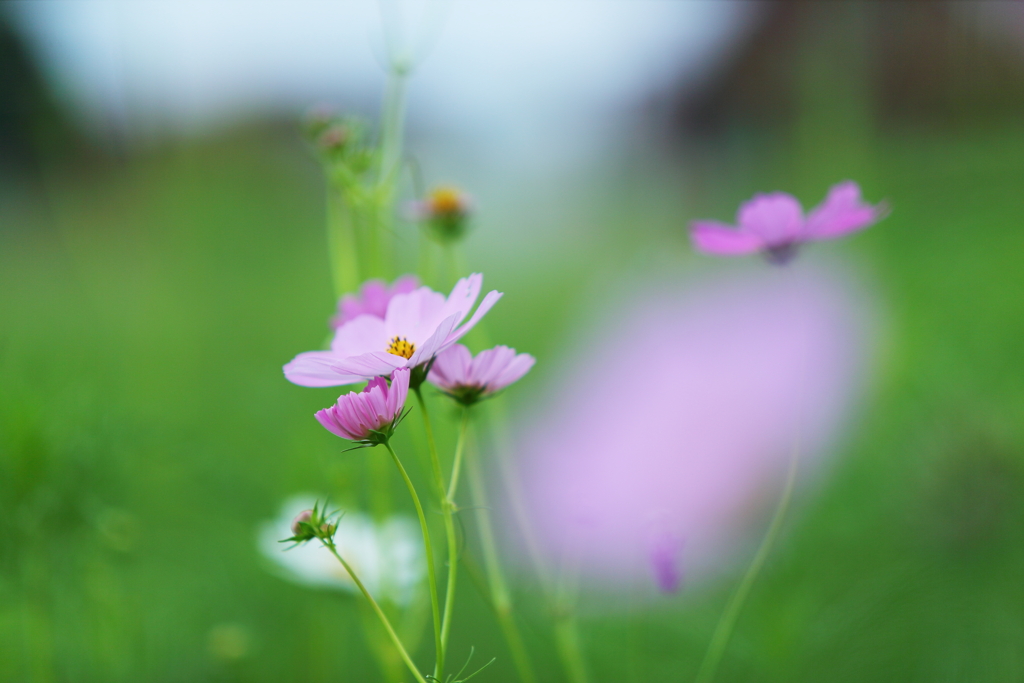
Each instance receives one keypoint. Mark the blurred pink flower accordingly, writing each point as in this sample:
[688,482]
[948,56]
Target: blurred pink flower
[775,224]
[417,326]
[368,416]
[468,379]
[634,477]
[373,299]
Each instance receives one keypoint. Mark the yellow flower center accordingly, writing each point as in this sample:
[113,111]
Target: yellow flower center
[400,346]
[445,200]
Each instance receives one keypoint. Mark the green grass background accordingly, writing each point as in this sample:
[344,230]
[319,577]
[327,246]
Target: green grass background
[147,304]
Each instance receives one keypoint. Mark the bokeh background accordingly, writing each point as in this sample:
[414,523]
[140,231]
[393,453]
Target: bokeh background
[162,254]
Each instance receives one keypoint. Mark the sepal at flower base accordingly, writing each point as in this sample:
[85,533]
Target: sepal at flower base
[314,523]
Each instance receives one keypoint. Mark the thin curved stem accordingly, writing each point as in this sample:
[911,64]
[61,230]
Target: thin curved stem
[720,639]
[460,447]
[431,576]
[380,613]
[501,598]
[450,537]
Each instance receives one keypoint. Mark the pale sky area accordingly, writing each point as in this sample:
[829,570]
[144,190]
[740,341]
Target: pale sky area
[509,72]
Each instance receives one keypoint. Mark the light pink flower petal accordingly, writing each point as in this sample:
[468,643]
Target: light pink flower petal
[433,344]
[718,238]
[398,392]
[513,372]
[451,367]
[361,335]
[370,364]
[316,369]
[464,295]
[327,418]
[485,305]
[414,315]
[841,213]
[488,364]
[776,218]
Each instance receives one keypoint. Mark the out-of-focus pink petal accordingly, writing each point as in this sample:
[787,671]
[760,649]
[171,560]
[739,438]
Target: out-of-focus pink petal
[513,372]
[488,364]
[485,305]
[404,285]
[776,218]
[316,369]
[451,367]
[841,213]
[361,335]
[718,238]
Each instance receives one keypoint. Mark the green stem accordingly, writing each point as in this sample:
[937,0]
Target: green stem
[431,576]
[342,243]
[567,632]
[727,622]
[380,613]
[449,528]
[500,596]
[460,447]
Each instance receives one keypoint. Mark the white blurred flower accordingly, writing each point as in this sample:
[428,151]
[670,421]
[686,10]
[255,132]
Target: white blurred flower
[387,557]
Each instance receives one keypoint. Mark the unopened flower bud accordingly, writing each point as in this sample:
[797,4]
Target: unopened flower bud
[317,120]
[333,138]
[446,212]
[300,524]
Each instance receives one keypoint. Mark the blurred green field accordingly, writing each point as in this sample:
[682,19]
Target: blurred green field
[146,307]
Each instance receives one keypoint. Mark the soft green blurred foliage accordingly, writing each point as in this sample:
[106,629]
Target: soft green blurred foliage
[147,304]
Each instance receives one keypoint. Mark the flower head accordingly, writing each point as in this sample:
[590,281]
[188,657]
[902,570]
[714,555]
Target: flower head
[387,556]
[658,480]
[373,299]
[417,326]
[446,211]
[775,224]
[368,417]
[468,379]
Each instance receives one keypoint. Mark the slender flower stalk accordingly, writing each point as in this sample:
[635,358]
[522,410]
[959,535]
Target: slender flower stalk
[449,528]
[501,598]
[727,621]
[378,611]
[567,632]
[431,573]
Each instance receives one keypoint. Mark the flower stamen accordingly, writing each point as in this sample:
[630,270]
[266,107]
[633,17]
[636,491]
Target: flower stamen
[400,346]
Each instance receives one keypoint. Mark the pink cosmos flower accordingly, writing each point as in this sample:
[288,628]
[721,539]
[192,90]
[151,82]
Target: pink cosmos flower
[373,299]
[775,224]
[369,416]
[468,379]
[654,478]
[417,326]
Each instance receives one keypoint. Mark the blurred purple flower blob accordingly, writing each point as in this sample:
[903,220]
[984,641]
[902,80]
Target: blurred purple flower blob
[775,225]
[676,425]
[373,299]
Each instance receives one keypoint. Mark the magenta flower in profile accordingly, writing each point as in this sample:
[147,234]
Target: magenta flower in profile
[417,326]
[373,299]
[368,417]
[774,224]
[468,379]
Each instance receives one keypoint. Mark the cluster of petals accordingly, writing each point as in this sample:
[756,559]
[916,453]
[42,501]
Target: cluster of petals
[370,415]
[373,299]
[467,379]
[775,223]
[418,325]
